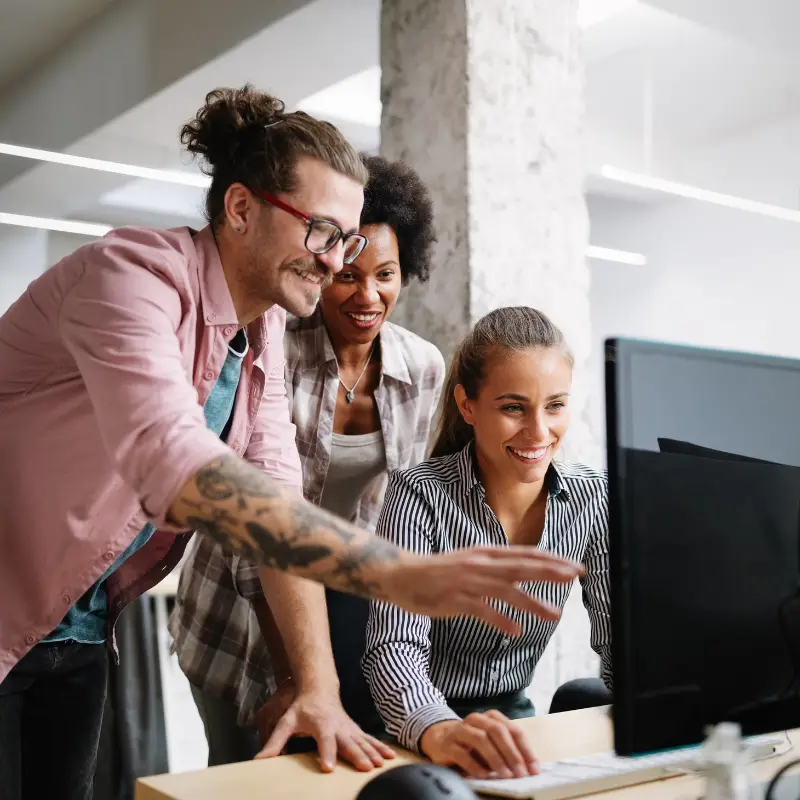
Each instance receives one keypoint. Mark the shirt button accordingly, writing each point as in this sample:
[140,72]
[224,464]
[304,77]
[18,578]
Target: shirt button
[504,643]
[109,556]
[65,598]
[228,330]
[211,317]
[208,374]
[30,639]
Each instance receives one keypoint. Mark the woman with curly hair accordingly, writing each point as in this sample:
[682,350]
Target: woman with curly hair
[363,392]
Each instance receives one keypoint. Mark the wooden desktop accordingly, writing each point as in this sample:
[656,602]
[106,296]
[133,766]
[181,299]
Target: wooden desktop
[298,777]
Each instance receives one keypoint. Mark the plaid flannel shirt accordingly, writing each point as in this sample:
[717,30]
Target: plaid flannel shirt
[214,628]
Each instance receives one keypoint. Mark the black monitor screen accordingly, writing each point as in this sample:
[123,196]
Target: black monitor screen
[704,482]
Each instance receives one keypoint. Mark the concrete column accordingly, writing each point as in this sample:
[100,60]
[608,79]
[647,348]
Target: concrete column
[485,99]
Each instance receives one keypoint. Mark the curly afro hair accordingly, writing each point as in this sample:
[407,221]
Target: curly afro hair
[396,196]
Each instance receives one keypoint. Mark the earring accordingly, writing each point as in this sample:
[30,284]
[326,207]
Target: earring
[238,230]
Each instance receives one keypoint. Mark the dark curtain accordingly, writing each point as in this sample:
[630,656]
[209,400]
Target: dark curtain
[133,740]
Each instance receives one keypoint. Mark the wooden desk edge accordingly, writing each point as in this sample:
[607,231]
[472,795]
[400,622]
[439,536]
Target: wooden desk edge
[553,737]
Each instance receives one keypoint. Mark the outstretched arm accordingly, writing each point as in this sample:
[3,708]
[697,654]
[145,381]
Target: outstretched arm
[242,508]
[119,321]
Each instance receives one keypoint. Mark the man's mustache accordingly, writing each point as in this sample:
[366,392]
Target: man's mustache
[316,267]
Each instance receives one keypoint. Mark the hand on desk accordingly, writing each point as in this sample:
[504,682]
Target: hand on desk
[482,745]
[321,716]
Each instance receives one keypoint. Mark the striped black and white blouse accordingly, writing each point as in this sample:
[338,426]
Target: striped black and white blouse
[412,663]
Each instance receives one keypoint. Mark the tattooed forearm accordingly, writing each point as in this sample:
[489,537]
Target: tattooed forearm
[246,511]
[285,553]
[351,566]
[226,478]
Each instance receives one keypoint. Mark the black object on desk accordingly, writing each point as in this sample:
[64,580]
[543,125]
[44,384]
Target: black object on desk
[417,782]
[704,541]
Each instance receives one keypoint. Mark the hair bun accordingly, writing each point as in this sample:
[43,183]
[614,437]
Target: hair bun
[228,117]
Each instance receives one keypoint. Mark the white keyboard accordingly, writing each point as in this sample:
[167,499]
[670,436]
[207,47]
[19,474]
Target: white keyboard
[599,772]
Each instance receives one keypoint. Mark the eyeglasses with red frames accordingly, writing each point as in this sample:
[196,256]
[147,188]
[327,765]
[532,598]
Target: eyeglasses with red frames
[322,235]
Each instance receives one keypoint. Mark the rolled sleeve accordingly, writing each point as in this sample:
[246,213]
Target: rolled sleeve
[119,322]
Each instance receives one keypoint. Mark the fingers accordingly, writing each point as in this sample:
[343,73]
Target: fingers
[463,758]
[480,609]
[361,753]
[516,597]
[364,752]
[520,739]
[353,753]
[371,752]
[531,568]
[277,741]
[498,731]
[477,740]
[326,746]
[383,749]
[517,551]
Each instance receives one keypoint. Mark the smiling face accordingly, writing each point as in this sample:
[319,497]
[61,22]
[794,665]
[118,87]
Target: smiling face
[521,412]
[363,295]
[279,269]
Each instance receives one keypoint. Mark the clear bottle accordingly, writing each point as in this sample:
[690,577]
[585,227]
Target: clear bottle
[724,763]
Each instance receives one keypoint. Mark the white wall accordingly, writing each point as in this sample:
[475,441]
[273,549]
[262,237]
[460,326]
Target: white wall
[61,244]
[715,277]
[23,256]
[27,252]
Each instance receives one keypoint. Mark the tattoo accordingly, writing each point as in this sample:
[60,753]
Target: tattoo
[281,531]
[283,554]
[225,478]
[217,533]
[351,564]
[306,519]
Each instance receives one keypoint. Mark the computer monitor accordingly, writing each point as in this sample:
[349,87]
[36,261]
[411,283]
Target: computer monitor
[704,491]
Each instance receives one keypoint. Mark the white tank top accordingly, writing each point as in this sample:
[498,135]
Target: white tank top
[355,462]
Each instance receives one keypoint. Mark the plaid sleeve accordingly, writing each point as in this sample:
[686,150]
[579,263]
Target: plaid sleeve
[245,577]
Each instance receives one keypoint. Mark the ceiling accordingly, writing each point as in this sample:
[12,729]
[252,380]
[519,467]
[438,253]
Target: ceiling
[670,84]
[33,29]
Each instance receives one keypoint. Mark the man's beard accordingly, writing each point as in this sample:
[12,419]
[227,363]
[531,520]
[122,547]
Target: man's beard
[313,266]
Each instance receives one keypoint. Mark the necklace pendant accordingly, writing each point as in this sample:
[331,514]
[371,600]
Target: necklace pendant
[349,396]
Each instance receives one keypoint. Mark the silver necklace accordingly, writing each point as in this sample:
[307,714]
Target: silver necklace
[350,393]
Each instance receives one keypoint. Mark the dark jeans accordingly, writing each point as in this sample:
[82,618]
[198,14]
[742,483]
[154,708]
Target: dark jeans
[515,705]
[133,739]
[580,693]
[228,743]
[51,710]
[347,618]
[570,696]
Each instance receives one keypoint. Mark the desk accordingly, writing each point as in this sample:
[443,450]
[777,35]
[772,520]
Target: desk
[297,777]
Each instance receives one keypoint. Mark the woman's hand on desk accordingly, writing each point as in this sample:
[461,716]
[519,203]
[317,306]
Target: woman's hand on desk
[484,746]
[321,716]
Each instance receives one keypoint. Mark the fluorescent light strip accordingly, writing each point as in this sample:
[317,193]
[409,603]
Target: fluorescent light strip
[618,256]
[696,193]
[164,175]
[95,229]
[65,225]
